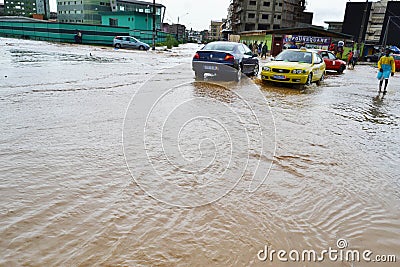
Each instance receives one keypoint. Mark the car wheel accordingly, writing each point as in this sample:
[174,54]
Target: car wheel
[117,46]
[238,74]
[199,75]
[319,82]
[309,79]
[141,47]
[341,69]
[256,70]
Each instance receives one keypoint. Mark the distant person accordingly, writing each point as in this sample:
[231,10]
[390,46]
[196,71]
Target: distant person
[255,48]
[332,47]
[386,67]
[260,48]
[251,47]
[356,56]
[264,51]
[340,50]
[78,37]
[293,46]
[350,59]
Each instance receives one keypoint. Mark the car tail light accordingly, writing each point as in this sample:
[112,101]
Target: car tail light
[229,57]
[196,56]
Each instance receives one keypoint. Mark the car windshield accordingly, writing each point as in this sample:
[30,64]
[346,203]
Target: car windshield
[396,57]
[295,56]
[220,47]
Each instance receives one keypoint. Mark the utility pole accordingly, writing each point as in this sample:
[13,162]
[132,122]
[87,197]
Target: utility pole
[360,36]
[154,24]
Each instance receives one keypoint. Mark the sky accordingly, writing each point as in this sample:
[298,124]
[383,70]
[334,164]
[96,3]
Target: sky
[197,14]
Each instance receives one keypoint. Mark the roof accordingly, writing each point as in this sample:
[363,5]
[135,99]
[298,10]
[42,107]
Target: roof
[309,30]
[140,3]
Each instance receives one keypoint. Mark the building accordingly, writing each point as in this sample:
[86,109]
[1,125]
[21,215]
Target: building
[252,15]
[368,22]
[127,13]
[335,26]
[27,8]
[391,25]
[1,9]
[216,29]
[177,30]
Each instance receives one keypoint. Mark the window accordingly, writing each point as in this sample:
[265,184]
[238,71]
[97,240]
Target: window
[251,15]
[280,4]
[264,16]
[332,56]
[253,3]
[113,22]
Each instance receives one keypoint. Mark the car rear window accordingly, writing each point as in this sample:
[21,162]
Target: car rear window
[220,46]
[397,57]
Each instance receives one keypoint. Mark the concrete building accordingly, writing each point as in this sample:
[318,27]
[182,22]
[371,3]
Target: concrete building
[367,21]
[252,15]
[1,9]
[27,8]
[90,12]
[177,30]
[335,26]
[216,29]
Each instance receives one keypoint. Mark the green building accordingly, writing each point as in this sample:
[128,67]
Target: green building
[26,8]
[134,14]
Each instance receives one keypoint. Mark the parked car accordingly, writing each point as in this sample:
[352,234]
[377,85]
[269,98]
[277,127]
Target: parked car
[373,58]
[225,58]
[295,66]
[331,61]
[397,61]
[129,42]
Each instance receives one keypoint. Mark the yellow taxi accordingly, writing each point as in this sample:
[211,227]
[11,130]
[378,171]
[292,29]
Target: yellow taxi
[295,66]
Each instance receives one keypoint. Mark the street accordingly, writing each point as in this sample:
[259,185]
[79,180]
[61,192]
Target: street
[83,162]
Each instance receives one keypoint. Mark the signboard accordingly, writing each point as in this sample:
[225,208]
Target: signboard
[309,41]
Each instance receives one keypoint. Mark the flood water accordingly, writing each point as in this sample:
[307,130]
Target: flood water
[77,189]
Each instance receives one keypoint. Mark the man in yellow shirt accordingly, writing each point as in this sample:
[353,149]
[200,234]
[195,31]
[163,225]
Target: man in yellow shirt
[386,67]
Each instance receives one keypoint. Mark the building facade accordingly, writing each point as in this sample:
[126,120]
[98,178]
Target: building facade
[254,15]
[177,30]
[1,9]
[368,21]
[90,11]
[335,26]
[27,8]
[215,32]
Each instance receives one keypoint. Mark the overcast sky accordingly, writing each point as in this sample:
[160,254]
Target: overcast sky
[197,14]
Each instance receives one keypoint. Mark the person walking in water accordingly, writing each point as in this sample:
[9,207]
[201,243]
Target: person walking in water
[386,67]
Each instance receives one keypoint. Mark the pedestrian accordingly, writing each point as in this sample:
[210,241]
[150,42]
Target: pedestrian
[386,67]
[251,47]
[260,48]
[350,59]
[264,51]
[332,47]
[255,48]
[340,49]
[356,55]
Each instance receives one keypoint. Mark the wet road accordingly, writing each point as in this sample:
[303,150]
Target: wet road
[67,197]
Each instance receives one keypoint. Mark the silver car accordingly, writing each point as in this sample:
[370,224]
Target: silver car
[129,42]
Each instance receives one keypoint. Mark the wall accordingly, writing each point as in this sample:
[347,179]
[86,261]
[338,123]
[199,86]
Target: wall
[61,32]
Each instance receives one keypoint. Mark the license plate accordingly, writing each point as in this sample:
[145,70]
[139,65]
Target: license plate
[210,67]
[279,77]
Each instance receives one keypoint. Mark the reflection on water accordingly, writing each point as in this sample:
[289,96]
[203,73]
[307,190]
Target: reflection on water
[67,197]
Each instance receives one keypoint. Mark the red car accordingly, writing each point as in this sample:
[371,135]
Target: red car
[332,62]
[397,61]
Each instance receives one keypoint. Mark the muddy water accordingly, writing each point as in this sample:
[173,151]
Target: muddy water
[67,196]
